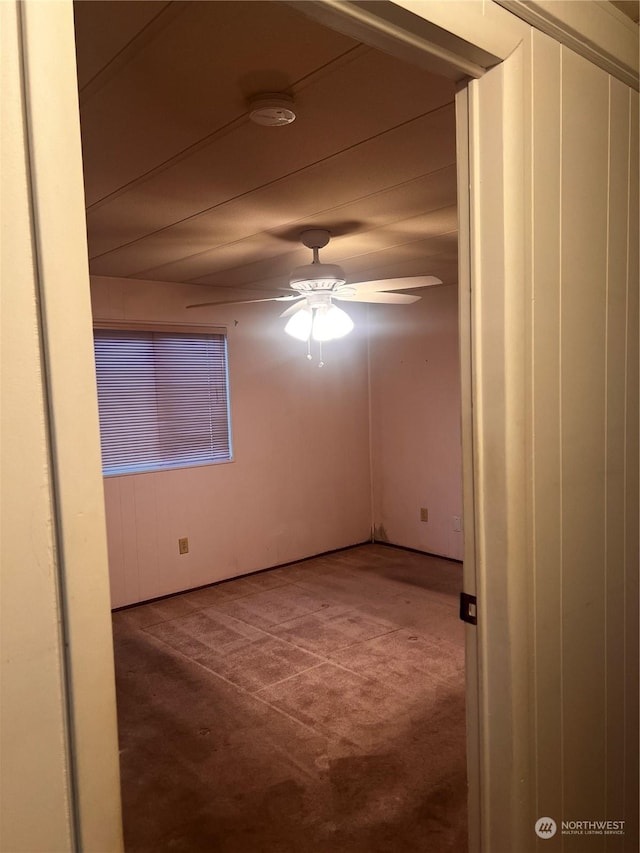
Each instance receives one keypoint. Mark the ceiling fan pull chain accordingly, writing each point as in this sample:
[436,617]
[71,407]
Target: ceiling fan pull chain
[321,362]
[309,356]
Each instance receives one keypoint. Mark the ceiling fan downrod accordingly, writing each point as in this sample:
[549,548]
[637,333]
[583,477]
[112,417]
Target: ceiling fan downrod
[315,239]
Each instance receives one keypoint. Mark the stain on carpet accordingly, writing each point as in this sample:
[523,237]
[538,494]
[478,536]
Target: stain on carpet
[317,710]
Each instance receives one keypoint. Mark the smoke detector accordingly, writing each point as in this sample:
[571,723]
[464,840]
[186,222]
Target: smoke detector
[272,110]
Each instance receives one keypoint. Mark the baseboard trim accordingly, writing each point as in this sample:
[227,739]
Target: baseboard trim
[416,551]
[243,575]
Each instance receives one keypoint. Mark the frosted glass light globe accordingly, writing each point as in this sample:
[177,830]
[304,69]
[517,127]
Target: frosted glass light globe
[299,324]
[330,322]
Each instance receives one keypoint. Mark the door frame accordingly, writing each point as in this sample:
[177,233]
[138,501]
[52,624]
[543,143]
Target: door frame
[460,38]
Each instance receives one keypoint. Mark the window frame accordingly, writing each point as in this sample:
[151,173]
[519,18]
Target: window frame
[177,329]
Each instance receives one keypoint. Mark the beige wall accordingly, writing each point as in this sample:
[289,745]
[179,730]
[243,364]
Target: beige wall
[299,482]
[415,423]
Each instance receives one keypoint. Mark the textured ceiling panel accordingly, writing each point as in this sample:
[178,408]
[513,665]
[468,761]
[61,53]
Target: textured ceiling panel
[355,252]
[181,186]
[107,29]
[192,80]
[247,157]
[392,158]
[370,213]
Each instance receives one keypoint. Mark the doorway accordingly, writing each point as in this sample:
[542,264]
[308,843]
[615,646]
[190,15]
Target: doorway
[54,155]
[395,214]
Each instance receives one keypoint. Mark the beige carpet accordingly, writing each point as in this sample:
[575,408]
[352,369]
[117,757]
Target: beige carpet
[315,708]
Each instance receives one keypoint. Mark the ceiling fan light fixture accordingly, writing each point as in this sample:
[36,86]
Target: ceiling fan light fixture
[299,324]
[330,322]
[319,319]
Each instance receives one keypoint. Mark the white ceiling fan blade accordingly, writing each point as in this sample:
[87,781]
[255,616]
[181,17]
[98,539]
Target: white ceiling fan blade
[387,298]
[403,283]
[287,298]
[293,308]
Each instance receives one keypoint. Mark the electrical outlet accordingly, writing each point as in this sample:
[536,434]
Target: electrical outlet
[457,524]
[424,514]
[183,545]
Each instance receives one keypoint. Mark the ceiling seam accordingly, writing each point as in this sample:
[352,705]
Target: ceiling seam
[216,134]
[432,258]
[343,259]
[161,20]
[198,280]
[274,182]
[368,273]
[325,211]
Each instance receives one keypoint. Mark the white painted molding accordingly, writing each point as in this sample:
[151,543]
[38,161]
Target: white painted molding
[463,38]
[465,319]
[55,163]
[476,22]
[402,33]
[595,30]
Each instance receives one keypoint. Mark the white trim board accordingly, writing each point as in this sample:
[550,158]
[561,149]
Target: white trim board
[597,31]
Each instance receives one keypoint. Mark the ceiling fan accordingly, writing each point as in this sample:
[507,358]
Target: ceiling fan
[317,285]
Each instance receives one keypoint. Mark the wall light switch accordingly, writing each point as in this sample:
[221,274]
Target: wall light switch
[457,524]
[183,545]
[424,514]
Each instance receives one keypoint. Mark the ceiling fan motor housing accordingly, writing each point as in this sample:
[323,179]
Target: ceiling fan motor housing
[317,277]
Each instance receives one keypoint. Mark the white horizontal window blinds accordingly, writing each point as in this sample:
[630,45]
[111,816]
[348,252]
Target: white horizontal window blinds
[163,399]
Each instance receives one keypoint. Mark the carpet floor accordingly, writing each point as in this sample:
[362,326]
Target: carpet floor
[314,708]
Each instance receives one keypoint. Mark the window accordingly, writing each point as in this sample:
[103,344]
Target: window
[163,399]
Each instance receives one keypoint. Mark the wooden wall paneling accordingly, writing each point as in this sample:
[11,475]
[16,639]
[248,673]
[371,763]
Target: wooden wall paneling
[163,503]
[182,569]
[616,344]
[124,571]
[146,528]
[117,579]
[584,185]
[259,510]
[546,423]
[415,416]
[131,558]
[631,591]
[580,434]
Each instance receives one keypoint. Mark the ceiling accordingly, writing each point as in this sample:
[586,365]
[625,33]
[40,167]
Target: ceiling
[182,187]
